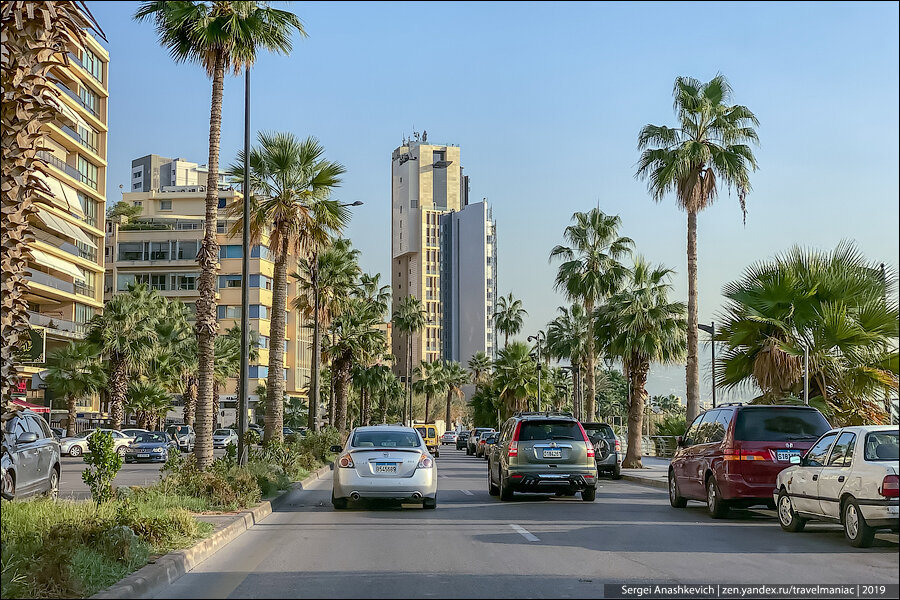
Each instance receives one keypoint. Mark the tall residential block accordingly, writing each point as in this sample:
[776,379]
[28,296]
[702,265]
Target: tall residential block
[443,253]
[156,173]
[160,248]
[65,271]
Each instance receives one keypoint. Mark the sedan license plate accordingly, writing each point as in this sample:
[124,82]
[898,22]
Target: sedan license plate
[385,468]
[143,456]
[552,453]
[785,455]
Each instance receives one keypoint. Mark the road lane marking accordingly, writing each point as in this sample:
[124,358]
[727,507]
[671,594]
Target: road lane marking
[467,492]
[524,533]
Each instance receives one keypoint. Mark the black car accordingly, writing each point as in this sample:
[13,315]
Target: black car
[152,446]
[461,440]
[607,448]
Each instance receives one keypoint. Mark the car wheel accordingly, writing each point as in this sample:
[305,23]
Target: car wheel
[53,490]
[506,492]
[787,518]
[717,507]
[675,498]
[437,453]
[338,503]
[589,494]
[617,472]
[9,485]
[493,490]
[75,451]
[856,530]
[430,503]
[121,451]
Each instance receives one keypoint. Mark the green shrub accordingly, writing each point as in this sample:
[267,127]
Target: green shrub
[671,425]
[319,443]
[103,464]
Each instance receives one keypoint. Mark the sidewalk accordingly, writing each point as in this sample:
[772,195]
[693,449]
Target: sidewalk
[654,474]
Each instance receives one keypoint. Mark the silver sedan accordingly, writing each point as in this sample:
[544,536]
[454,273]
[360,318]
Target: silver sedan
[384,461]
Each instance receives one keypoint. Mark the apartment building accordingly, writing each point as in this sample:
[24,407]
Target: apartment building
[65,272]
[160,249]
[155,173]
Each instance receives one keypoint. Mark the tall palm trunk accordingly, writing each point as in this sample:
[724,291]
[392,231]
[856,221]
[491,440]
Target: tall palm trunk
[366,410]
[275,383]
[190,400]
[215,410]
[384,407]
[408,400]
[331,412]
[342,391]
[637,391]
[447,412]
[312,421]
[590,360]
[118,389]
[692,368]
[72,415]
[208,258]
[427,406]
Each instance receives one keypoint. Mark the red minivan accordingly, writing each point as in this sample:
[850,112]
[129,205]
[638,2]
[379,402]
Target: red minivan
[730,455]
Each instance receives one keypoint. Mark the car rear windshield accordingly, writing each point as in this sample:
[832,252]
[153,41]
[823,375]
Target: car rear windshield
[595,432]
[882,445]
[183,429]
[222,432]
[550,430]
[386,439]
[779,424]
[143,438]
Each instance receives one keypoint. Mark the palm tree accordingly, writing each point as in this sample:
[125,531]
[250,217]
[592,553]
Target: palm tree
[371,291]
[480,366]
[515,377]
[391,391]
[30,100]
[836,305]
[709,145]
[591,272]
[430,383]
[641,326]
[409,318]
[147,400]
[366,379]
[454,377]
[508,317]
[326,277]
[125,335]
[74,372]
[567,338]
[220,36]
[291,183]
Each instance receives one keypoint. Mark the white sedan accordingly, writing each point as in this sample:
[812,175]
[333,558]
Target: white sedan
[78,444]
[222,438]
[449,437]
[849,476]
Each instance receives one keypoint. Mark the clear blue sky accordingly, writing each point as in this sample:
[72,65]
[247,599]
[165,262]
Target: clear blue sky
[546,101]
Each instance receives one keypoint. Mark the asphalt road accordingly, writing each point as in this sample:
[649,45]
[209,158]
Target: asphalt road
[72,486]
[473,545]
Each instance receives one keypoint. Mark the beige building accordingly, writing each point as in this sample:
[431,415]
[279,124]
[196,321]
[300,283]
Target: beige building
[66,268]
[160,249]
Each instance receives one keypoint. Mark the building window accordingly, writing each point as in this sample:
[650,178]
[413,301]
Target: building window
[131,251]
[187,250]
[437,156]
[220,226]
[158,282]
[88,138]
[136,186]
[259,311]
[84,313]
[89,207]
[184,281]
[92,64]
[259,252]
[222,202]
[229,281]
[88,172]
[258,372]
[232,251]
[90,100]
[261,281]
[136,175]
[165,205]
[159,250]
[228,312]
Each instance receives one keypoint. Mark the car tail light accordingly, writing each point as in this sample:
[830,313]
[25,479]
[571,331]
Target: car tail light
[587,440]
[482,441]
[618,445]
[346,461]
[748,455]
[514,443]
[426,462]
[890,487]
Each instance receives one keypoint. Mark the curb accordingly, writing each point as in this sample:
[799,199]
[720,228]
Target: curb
[654,483]
[151,578]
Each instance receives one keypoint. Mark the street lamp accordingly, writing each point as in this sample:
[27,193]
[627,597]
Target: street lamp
[711,329]
[538,338]
[573,370]
[244,393]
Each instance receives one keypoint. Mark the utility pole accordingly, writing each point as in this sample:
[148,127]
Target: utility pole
[537,347]
[711,329]
[244,392]
[806,374]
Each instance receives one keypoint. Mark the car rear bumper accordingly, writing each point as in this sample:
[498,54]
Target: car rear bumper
[347,482]
[152,458]
[881,515]
[613,460]
[536,482]
[735,487]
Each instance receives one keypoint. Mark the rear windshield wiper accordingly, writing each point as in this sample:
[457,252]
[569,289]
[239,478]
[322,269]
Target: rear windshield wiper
[801,437]
[562,437]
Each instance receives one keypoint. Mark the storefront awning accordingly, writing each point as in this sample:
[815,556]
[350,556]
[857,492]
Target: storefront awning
[60,194]
[58,264]
[64,227]
[34,407]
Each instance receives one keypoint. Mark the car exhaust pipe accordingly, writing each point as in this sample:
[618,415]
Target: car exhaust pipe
[417,496]
[354,496]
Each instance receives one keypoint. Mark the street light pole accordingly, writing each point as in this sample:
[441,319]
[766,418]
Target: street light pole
[244,392]
[711,329]
[806,374]
[537,347]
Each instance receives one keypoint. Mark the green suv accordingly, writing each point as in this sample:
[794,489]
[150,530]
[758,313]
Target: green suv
[542,452]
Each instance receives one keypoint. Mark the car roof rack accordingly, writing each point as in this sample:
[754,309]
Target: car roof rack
[543,413]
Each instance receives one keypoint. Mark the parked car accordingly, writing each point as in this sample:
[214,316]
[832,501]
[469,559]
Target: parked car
[224,437]
[472,439]
[481,443]
[542,452]
[429,434]
[384,461]
[78,444]
[58,432]
[462,440]
[488,442]
[731,455]
[607,448]
[30,462]
[449,437]
[184,435]
[291,435]
[849,476]
[133,433]
[150,446]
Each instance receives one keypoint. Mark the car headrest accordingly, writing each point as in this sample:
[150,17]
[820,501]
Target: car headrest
[887,451]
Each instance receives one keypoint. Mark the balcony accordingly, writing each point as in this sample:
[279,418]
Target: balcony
[78,139]
[60,164]
[76,98]
[74,58]
[85,290]
[68,329]
[51,281]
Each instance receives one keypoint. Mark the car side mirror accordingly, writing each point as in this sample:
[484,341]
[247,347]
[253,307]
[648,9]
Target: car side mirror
[29,437]
[335,449]
[796,459]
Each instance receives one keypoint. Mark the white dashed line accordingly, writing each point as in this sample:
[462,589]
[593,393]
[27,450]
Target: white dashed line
[524,533]
[467,492]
